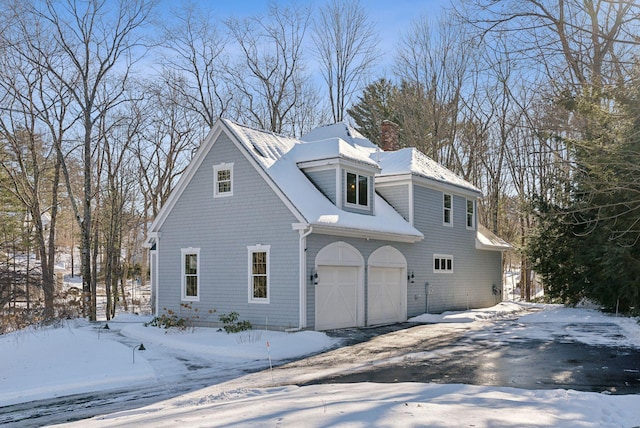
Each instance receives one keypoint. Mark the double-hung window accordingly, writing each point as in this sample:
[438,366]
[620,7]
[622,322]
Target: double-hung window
[471,214]
[223,180]
[357,189]
[447,219]
[442,263]
[190,274]
[259,273]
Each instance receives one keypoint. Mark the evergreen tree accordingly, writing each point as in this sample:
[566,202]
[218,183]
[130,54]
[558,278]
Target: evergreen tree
[590,246]
[374,105]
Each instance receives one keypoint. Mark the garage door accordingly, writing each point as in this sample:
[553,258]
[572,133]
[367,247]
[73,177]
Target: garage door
[386,297]
[337,297]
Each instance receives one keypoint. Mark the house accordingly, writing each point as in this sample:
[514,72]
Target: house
[323,232]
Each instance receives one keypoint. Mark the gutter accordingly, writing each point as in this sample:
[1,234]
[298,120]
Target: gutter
[302,263]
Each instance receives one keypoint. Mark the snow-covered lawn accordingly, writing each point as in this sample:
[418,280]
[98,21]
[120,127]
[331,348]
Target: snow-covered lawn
[45,363]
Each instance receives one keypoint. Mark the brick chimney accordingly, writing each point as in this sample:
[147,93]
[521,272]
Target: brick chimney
[389,136]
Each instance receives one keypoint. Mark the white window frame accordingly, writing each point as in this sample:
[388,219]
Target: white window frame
[471,216]
[183,275]
[346,193]
[251,250]
[448,261]
[216,189]
[445,209]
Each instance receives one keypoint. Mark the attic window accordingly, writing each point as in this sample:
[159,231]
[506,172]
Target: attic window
[357,189]
[223,180]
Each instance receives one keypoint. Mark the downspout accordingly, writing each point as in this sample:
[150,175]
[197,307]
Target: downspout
[157,281]
[302,322]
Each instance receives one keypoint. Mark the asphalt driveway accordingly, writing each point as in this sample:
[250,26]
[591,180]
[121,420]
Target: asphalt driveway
[474,355]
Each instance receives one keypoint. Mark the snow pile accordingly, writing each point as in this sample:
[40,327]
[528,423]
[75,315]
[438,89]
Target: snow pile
[499,311]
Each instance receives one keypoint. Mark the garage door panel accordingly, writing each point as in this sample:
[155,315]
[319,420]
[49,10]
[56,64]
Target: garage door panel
[336,297]
[387,296]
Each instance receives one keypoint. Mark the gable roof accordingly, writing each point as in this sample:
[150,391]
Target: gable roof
[318,211]
[412,161]
[331,148]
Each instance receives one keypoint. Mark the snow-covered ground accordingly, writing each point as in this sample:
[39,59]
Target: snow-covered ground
[81,357]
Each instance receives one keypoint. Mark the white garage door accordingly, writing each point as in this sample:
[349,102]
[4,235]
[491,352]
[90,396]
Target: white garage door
[386,298]
[337,297]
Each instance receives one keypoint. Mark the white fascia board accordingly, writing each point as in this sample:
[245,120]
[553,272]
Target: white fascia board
[365,234]
[187,175]
[318,165]
[487,247]
[446,187]
[393,180]
[236,141]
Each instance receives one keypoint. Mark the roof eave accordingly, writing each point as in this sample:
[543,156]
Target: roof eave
[325,229]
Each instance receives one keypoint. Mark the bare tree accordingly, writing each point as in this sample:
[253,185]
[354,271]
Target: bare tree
[436,62]
[270,79]
[586,45]
[346,44]
[93,40]
[30,134]
[196,52]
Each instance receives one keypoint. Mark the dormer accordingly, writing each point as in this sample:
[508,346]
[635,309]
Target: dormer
[342,172]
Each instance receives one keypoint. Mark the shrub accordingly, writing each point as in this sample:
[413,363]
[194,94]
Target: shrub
[232,325]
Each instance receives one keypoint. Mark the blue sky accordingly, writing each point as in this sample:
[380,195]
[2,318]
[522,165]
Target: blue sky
[392,17]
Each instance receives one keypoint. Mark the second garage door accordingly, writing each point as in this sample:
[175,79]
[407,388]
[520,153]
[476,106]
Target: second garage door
[386,296]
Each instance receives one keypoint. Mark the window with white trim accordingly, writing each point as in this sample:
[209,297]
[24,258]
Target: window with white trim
[259,273]
[447,205]
[442,263]
[190,274]
[471,214]
[223,180]
[357,189]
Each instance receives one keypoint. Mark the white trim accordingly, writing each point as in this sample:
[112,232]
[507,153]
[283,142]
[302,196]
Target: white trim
[411,204]
[218,128]
[444,208]
[357,205]
[430,183]
[153,277]
[258,248]
[216,189]
[442,257]
[236,141]
[183,275]
[473,214]
[364,234]
[186,176]
[304,230]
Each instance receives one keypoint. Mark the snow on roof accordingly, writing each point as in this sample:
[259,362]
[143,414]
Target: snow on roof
[316,208]
[339,130]
[412,161]
[487,240]
[267,147]
[330,148]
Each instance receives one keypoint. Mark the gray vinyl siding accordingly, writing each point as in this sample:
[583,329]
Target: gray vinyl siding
[397,197]
[223,228]
[325,181]
[474,271]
